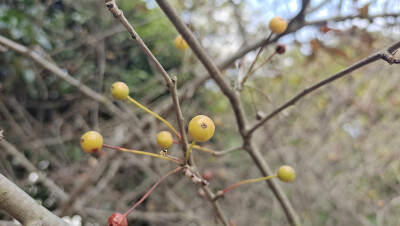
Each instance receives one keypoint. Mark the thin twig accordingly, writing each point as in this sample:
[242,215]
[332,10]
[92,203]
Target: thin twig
[346,71]
[118,14]
[151,189]
[216,153]
[236,104]
[208,63]
[250,71]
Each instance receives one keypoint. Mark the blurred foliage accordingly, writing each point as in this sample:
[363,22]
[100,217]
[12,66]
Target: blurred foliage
[342,139]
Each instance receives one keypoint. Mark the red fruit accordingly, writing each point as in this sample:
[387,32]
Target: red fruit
[207,175]
[117,219]
[280,48]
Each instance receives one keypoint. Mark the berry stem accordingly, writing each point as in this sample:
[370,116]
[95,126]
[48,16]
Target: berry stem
[173,159]
[151,189]
[176,142]
[155,115]
[188,151]
[254,61]
[198,147]
[264,62]
[248,181]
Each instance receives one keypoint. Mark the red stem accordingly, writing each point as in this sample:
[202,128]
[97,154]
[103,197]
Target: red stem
[151,189]
[176,141]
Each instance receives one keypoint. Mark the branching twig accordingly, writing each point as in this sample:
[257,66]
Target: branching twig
[250,71]
[236,104]
[118,14]
[380,55]
[208,63]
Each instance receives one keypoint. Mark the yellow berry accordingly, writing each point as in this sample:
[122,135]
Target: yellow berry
[119,90]
[180,43]
[164,139]
[201,128]
[91,141]
[286,173]
[277,25]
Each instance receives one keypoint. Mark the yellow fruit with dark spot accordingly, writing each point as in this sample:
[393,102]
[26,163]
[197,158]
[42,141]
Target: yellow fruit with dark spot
[119,90]
[180,43]
[164,139]
[201,128]
[286,173]
[277,25]
[91,142]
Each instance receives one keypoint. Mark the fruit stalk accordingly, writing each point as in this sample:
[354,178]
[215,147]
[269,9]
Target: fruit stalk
[155,115]
[188,151]
[151,189]
[254,61]
[144,153]
[248,181]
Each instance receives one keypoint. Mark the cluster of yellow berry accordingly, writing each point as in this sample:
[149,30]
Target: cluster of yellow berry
[201,128]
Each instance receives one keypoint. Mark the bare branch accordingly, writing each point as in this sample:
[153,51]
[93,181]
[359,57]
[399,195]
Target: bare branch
[112,6]
[328,80]
[24,208]
[235,103]
[208,63]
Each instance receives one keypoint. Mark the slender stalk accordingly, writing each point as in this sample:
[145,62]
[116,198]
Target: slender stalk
[248,181]
[151,189]
[263,63]
[155,115]
[213,152]
[188,152]
[200,148]
[169,158]
[249,72]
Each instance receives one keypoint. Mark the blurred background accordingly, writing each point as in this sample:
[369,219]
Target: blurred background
[341,140]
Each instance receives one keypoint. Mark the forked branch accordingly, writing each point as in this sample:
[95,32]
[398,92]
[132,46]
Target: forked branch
[385,54]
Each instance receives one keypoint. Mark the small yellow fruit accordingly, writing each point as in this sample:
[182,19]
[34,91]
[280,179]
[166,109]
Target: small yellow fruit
[201,128]
[119,90]
[180,43]
[286,173]
[91,142]
[277,25]
[164,139]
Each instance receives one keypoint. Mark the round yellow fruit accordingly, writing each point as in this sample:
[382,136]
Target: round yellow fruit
[164,139]
[180,43]
[91,142]
[201,128]
[119,90]
[286,173]
[278,25]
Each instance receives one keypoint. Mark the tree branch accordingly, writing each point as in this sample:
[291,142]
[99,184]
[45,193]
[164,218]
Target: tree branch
[366,61]
[208,63]
[118,14]
[23,207]
[234,101]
